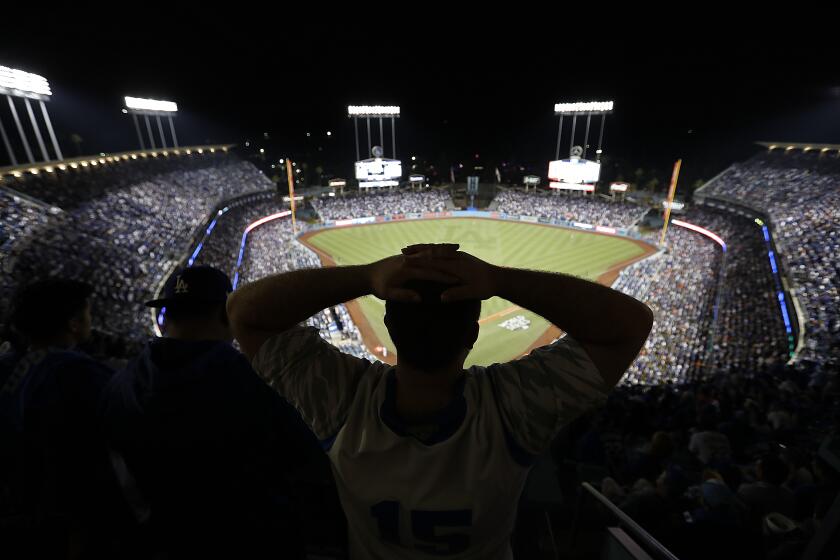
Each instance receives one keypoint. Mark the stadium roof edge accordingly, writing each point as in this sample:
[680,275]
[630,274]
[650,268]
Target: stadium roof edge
[95,160]
[805,147]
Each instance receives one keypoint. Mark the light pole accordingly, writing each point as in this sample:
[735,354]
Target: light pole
[378,172]
[576,172]
[152,108]
[380,112]
[588,108]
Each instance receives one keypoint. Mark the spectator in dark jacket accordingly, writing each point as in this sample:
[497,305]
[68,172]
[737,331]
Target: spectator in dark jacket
[205,443]
[767,494]
[54,471]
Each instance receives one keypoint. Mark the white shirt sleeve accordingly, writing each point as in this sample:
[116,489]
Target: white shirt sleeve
[540,393]
[319,380]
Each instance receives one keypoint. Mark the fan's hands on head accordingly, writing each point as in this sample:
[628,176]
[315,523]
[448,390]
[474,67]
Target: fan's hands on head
[388,277]
[474,278]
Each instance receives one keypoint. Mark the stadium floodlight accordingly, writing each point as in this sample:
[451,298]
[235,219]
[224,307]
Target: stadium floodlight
[30,87]
[373,111]
[378,112]
[154,108]
[582,107]
[20,83]
[587,108]
[155,105]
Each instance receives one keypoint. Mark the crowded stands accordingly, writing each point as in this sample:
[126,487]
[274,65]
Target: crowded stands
[569,207]
[221,245]
[679,286]
[800,193]
[123,227]
[749,332]
[702,465]
[380,204]
[273,248]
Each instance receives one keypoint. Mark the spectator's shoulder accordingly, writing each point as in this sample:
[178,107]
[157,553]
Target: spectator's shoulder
[562,355]
[78,362]
[292,344]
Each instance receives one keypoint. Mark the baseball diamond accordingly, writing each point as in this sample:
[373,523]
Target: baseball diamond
[534,246]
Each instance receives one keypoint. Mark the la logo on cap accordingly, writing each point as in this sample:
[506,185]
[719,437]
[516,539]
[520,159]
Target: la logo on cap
[181,286]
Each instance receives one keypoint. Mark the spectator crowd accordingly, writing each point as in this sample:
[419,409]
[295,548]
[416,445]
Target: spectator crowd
[572,207]
[382,203]
[121,228]
[710,443]
[800,194]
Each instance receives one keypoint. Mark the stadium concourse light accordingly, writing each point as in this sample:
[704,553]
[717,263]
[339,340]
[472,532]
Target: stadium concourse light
[17,83]
[378,112]
[587,108]
[154,108]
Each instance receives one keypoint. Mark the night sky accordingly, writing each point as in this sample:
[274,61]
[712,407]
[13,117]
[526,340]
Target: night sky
[471,84]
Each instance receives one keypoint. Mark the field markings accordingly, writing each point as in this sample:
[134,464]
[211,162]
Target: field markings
[498,314]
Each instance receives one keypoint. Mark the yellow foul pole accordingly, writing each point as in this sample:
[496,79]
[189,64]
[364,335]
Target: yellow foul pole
[291,193]
[674,176]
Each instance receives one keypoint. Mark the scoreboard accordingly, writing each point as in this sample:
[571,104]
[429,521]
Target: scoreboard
[574,171]
[378,169]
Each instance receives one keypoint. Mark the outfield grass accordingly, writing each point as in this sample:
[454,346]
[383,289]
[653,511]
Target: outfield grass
[515,244]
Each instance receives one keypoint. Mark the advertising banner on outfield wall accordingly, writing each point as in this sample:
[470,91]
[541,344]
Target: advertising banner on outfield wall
[472,214]
[356,221]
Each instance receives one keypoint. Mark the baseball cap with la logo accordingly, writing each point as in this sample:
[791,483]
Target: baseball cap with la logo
[196,284]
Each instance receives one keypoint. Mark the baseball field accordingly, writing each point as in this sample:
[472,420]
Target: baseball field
[507,331]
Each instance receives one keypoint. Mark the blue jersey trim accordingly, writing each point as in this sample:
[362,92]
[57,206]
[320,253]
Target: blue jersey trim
[326,444]
[447,420]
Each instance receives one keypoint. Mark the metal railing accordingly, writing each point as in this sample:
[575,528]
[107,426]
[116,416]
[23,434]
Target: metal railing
[631,526]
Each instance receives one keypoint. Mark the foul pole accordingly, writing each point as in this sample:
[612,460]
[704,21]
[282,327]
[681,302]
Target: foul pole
[291,193]
[674,176]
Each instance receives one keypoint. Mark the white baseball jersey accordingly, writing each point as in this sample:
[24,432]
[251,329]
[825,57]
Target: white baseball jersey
[447,489]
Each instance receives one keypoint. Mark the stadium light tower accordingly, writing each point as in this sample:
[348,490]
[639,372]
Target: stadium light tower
[375,111]
[580,108]
[17,83]
[152,108]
